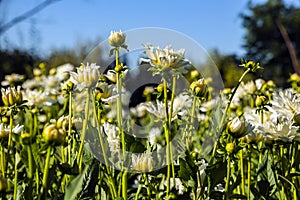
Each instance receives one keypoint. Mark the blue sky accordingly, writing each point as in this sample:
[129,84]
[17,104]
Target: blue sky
[213,23]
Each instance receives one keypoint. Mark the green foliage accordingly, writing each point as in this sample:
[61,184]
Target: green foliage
[263,40]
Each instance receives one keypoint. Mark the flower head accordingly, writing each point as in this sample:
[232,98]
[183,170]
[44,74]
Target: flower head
[117,40]
[238,127]
[86,76]
[199,87]
[12,96]
[142,162]
[164,58]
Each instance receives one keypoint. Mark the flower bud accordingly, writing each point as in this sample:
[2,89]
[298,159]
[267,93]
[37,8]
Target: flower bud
[194,74]
[52,71]
[236,127]
[12,96]
[37,72]
[3,132]
[229,147]
[294,78]
[118,68]
[117,39]
[260,101]
[160,88]
[54,135]
[199,87]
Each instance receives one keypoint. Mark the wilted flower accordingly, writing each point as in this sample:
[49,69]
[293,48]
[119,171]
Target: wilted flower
[142,162]
[86,76]
[12,96]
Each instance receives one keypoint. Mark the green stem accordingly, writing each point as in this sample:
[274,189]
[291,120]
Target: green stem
[227,178]
[83,133]
[147,186]
[3,160]
[167,136]
[124,184]
[16,177]
[9,139]
[46,171]
[242,172]
[138,192]
[249,171]
[226,110]
[120,125]
[283,170]
[174,79]
[30,166]
[69,128]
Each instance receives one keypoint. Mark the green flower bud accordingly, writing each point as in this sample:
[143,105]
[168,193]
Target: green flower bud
[229,147]
[260,101]
[118,68]
[294,78]
[54,135]
[160,88]
[199,87]
[194,74]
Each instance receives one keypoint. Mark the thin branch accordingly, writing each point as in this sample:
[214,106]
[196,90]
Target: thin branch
[25,15]
[289,46]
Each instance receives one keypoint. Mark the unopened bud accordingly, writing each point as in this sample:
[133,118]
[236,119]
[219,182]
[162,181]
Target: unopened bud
[229,147]
[260,101]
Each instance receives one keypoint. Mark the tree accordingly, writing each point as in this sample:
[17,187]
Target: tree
[271,38]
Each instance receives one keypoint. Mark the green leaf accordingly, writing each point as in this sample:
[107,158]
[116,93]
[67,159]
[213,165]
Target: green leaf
[78,184]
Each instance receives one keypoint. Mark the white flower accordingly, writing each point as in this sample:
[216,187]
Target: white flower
[167,57]
[18,128]
[142,162]
[250,87]
[154,135]
[11,79]
[4,131]
[286,103]
[37,98]
[113,138]
[219,188]
[208,105]
[117,38]
[86,76]
[259,83]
